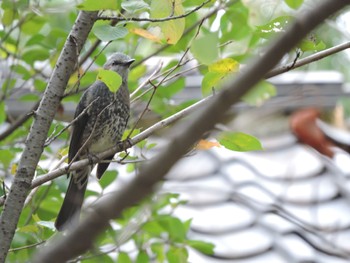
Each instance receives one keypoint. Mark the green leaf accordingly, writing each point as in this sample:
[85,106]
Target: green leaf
[33,25]
[29,97]
[165,199]
[37,39]
[123,258]
[93,5]
[173,29]
[158,249]
[210,81]
[153,227]
[112,79]
[37,54]
[195,3]
[26,74]
[205,48]
[311,45]
[29,229]
[108,178]
[260,93]
[40,85]
[171,89]
[202,246]
[177,255]
[6,157]
[99,259]
[8,16]
[295,4]
[274,27]
[174,226]
[240,142]
[108,32]
[239,15]
[142,257]
[135,6]
[2,112]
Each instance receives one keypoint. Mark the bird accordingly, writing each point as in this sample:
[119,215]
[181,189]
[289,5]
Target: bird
[100,118]
[303,124]
[325,138]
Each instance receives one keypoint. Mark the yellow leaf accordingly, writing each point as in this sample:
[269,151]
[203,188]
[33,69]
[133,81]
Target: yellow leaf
[14,168]
[63,152]
[36,218]
[172,29]
[226,65]
[146,34]
[206,145]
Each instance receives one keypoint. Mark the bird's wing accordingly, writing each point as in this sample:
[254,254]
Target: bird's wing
[78,127]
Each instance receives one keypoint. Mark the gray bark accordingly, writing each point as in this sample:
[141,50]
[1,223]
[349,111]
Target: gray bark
[81,238]
[38,133]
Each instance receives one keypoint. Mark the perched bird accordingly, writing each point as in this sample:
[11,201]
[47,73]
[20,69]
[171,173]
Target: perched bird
[304,125]
[98,129]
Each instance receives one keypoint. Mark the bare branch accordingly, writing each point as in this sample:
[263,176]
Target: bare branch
[312,58]
[170,17]
[156,71]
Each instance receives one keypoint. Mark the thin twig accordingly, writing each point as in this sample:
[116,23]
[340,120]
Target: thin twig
[138,19]
[26,247]
[312,58]
[52,137]
[145,109]
[144,83]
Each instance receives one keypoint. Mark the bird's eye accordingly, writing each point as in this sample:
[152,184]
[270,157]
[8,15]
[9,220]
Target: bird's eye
[115,63]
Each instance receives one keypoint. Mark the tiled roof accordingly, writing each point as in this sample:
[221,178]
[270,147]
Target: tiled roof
[279,205]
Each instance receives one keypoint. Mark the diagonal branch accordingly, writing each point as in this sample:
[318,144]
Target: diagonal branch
[184,136]
[304,61]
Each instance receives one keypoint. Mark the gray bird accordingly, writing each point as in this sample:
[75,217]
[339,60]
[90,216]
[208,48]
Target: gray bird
[99,129]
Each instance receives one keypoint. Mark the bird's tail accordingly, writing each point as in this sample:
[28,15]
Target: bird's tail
[70,210]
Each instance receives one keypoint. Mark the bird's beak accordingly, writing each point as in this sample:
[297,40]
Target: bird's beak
[129,62]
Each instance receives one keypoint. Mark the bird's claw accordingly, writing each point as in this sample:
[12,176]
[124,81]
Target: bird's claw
[92,158]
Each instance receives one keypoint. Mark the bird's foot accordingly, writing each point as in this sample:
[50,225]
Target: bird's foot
[126,144]
[92,158]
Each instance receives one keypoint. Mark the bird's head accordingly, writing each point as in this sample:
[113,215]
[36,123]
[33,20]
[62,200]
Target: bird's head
[119,63]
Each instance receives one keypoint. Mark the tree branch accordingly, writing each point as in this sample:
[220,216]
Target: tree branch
[38,133]
[138,19]
[184,136]
[312,58]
